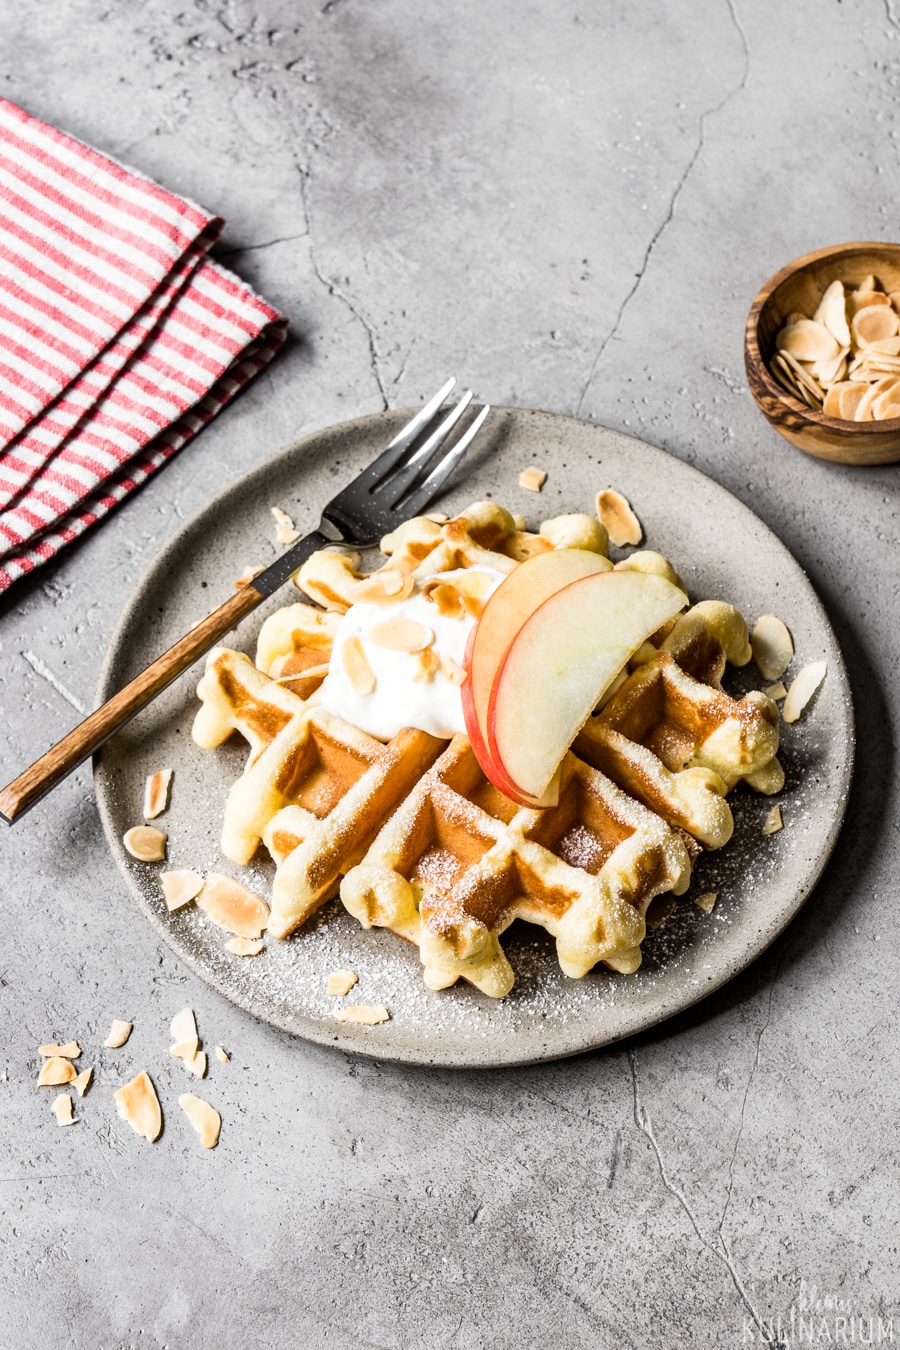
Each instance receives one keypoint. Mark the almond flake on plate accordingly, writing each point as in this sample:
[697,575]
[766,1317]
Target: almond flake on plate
[71,1050]
[356,664]
[401,635]
[179,888]
[146,843]
[772,646]
[204,1118]
[247,576]
[385,587]
[118,1034]
[156,793]
[802,689]
[776,691]
[138,1103]
[285,533]
[617,518]
[242,946]
[366,1016]
[233,907]
[773,822]
[62,1109]
[55,1071]
[222,1055]
[532,479]
[340,982]
[83,1081]
[707,901]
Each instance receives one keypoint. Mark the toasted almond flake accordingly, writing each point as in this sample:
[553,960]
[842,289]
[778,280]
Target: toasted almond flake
[401,635]
[873,323]
[805,380]
[71,1050]
[772,647]
[62,1109]
[204,1118]
[850,398]
[186,1049]
[222,1055]
[146,843]
[138,1103]
[386,587]
[660,909]
[247,576]
[297,676]
[453,672]
[55,1071]
[197,1064]
[340,982]
[233,907]
[519,522]
[532,479]
[707,901]
[183,1025]
[458,596]
[807,340]
[179,888]
[242,946]
[366,1016]
[616,516]
[83,1081]
[427,663]
[802,690]
[285,532]
[439,517]
[356,664]
[773,822]
[832,312]
[156,793]
[118,1034]
[867,284]
[776,691]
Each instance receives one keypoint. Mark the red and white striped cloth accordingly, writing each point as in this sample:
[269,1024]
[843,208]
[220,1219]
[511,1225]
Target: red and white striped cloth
[119,338]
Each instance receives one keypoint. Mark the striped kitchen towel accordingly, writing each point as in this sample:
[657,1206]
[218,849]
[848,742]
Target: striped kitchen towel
[119,337]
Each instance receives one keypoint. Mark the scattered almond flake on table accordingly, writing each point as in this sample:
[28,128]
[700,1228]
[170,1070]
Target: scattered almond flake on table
[233,907]
[356,664]
[285,533]
[138,1103]
[532,479]
[247,576]
[179,888]
[196,1064]
[707,901]
[340,982]
[772,646]
[617,518]
[83,1081]
[55,1071]
[776,691]
[146,843]
[222,1055]
[773,822]
[71,1050]
[183,1026]
[185,1050]
[204,1118]
[366,1016]
[62,1109]
[802,689]
[242,946]
[156,793]
[118,1034]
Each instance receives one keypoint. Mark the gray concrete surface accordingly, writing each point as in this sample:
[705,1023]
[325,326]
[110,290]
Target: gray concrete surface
[570,205]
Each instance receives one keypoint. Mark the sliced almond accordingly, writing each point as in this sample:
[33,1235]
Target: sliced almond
[894,298]
[138,1103]
[776,691]
[185,1050]
[197,1064]
[233,907]
[707,901]
[247,576]
[802,690]
[439,517]
[146,843]
[118,1034]
[455,597]
[340,982]
[204,1118]
[453,672]
[873,323]
[156,793]
[784,375]
[62,1109]
[83,1081]
[885,412]
[242,946]
[285,532]
[807,340]
[850,398]
[55,1071]
[222,1055]
[183,1025]
[366,1016]
[71,1050]
[386,587]
[772,647]
[773,822]
[179,888]
[427,664]
[356,664]
[832,312]
[401,635]
[532,479]
[615,514]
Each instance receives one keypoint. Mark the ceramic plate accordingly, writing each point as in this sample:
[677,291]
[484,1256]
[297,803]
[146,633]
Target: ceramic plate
[721,550]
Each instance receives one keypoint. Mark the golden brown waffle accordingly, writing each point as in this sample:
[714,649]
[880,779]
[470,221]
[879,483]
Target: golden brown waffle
[458,862]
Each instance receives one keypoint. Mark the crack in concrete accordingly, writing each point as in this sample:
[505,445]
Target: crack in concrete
[46,673]
[645,1125]
[255,248]
[673,202]
[754,1066]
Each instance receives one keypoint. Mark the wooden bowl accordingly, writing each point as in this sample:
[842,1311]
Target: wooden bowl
[800,286]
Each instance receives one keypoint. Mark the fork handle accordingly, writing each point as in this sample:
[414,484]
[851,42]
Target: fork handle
[89,735]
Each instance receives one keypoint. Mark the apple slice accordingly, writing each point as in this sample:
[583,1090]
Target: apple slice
[558,666]
[514,601]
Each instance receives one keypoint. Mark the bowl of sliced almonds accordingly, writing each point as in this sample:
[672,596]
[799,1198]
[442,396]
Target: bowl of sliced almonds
[822,353]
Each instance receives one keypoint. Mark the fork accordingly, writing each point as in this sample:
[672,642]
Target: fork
[397,485]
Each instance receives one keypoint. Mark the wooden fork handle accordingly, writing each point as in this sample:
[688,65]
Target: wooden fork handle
[74,749]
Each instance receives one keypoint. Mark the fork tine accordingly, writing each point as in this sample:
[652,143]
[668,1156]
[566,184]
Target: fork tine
[403,481]
[444,467]
[381,467]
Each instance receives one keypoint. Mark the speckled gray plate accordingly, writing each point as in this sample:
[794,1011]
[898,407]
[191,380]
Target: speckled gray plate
[721,550]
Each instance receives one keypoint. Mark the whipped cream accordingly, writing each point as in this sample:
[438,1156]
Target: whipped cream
[398,699]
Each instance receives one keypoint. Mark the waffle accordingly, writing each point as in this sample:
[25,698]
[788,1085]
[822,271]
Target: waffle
[426,846]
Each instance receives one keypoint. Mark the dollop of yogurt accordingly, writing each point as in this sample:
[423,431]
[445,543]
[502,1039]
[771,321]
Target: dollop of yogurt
[399,699]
